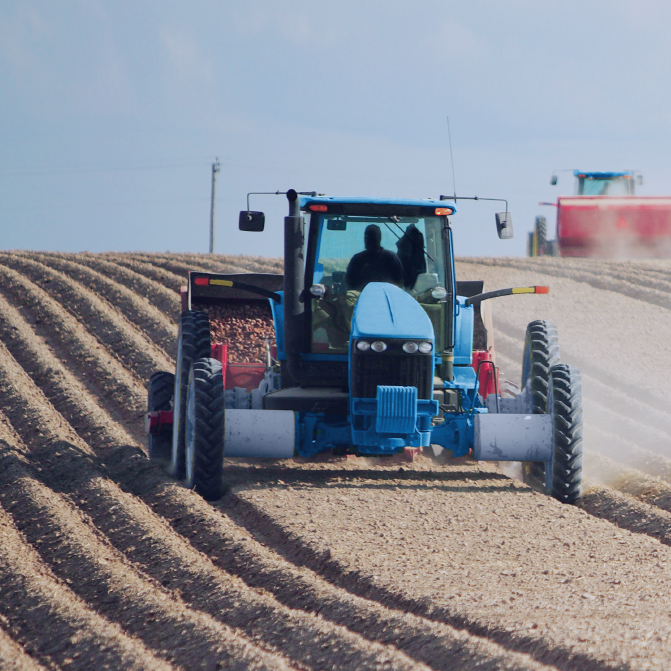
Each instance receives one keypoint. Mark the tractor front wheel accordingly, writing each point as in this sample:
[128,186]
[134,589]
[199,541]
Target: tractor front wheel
[193,343]
[205,429]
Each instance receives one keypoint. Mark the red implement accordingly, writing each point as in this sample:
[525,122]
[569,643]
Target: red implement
[612,227]
[245,375]
[487,373]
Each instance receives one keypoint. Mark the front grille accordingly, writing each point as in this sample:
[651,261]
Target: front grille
[370,369]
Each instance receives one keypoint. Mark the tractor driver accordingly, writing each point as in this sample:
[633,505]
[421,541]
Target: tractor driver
[374,264]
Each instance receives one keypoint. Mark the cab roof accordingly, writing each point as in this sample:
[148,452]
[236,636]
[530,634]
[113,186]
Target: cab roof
[378,206]
[602,175]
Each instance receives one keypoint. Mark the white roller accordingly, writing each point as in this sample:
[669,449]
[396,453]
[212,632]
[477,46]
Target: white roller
[503,437]
[260,433]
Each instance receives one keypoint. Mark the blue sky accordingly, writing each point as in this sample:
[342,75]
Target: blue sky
[112,112]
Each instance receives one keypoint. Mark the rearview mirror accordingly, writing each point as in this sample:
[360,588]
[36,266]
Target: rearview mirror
[251,221]
[504,225]
[336,225]
[553,180]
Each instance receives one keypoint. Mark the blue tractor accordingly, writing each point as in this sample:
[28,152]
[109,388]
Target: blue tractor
[374,356]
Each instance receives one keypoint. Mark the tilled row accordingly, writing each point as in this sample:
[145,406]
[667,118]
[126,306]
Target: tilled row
[109,326]
[54,625]
[59,337]
[141,266]
[160,296]
[484,555]
[589,274]
[158,328]
[312,641]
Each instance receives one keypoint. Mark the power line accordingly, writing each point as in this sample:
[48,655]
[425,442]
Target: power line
[109,205]
[29,172]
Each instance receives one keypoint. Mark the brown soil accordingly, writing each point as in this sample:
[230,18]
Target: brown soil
[107,563]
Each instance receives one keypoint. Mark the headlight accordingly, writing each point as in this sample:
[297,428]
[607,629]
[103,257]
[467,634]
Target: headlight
[439,293]
[363,346]
[410,347]
[379,346]
[425,347]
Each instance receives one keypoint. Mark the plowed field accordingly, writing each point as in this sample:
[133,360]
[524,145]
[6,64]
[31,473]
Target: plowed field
[107,563]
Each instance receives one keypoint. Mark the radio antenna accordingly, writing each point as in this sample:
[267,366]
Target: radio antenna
[449,136]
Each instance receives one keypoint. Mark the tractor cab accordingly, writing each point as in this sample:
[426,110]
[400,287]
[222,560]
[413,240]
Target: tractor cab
[604,183]
[412,253]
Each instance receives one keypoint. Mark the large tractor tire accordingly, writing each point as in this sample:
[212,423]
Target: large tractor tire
[541,231]
[564,474]
[541,353]
[193,343]
[159,397]
[205,429]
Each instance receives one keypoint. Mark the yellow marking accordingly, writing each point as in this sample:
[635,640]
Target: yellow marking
[223,283]
[524,290]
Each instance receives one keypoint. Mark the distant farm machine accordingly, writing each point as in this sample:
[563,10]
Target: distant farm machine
[604,218]
[340,356]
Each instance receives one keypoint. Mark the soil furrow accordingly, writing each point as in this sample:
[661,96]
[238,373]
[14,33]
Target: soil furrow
[162,298]
[219,263]
[110,327]
[139,311]
[302,637]
[629,272]
[487,586]
[95,570]
[238,551]
[608,378]
[148,270]
[144,540]
[251,264]
[58,331]
[647,488]
[627,512]
[587,276]
[12,656]
[53,624]
[101,576]
[182,268]
[606,407]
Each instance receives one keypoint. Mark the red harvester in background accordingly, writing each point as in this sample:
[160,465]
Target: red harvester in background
[605,219]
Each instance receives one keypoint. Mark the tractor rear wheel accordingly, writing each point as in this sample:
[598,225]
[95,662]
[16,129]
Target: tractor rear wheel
[205,429]
[159,397]
[193,343]
[541,230]
[541,353]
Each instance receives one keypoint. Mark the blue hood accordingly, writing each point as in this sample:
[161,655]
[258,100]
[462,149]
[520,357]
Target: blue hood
[385,311]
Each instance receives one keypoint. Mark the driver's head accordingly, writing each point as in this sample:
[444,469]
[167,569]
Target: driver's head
[372,237]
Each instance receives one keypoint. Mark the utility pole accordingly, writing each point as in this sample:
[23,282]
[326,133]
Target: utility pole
[213,203]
